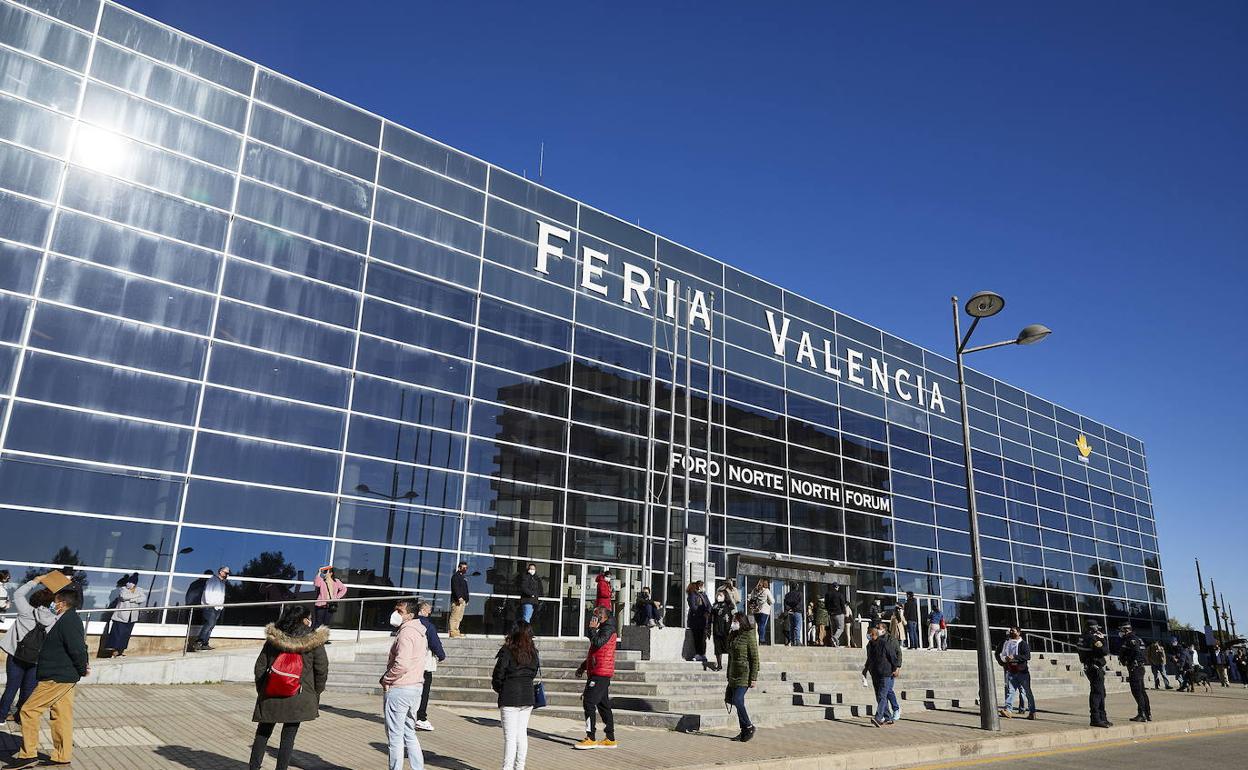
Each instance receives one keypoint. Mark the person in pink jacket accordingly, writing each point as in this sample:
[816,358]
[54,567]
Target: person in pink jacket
[402,684]
[328,590]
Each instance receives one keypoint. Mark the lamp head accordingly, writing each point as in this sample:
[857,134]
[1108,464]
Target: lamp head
[1032,334]
[149,547]
[362,488]
[984,304]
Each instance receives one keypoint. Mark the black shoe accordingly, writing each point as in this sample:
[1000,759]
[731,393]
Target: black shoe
[21,764]
[1148,717]
[1139,718]
[1101,724]
[738,737]
[747,734]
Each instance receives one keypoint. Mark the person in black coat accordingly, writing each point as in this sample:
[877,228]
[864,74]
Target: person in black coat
[459,598]
[515,668]
[698,618]
[913,619]
[883,664]
[530,593]
[292,632]
[793,609]
[836,605]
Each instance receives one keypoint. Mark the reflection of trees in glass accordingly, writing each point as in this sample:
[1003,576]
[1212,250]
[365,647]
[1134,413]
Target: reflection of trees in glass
[1103,575]
[69,558]
[268,564]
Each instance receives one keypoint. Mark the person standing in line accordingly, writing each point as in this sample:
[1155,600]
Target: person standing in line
[722,612]
[125,614]
[293,633]
[935,625]
[62,664]
[6,591]
[328,590]
[1220,664]
[793,607]
[599,666]
[1016,656]
[604,594]
[459,598]
[1157,663]
[730,589]
[515,668]
[698,619]
[1241,660]
[743,667]
[883,665]
[1093,649]
[530,593]
[31,604]
[823,619]
[759,605]
[1133,655]
[1189,661]
[897,624]
[214,596]
[836,604]
[435,656]
[913,618]
[402,683]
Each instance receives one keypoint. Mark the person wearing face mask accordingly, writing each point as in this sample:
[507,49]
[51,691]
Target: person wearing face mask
[1015,655]
[1133,655]
[645,613]
[722,612]
[530,593]
[1093,648]
[31,603]
[212,593]
[435,656]
[292,635]
[125,614]
[599,667]
[743,665]
[402,683]
[459,598]
[698,618]
[62,664]
[883,665]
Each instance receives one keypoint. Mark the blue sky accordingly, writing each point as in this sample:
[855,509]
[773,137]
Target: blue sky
[1086,160]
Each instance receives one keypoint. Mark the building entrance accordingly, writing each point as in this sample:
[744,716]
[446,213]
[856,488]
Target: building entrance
[927,605]
[579,592]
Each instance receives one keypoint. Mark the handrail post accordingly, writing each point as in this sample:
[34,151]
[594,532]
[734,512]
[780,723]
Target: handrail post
[359,622]
[186,643]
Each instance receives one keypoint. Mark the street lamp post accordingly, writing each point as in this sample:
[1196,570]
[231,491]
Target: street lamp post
[982,305]
[159,550]
[393,497]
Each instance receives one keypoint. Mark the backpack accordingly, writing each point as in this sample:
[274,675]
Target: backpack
[27,650]
[284,676]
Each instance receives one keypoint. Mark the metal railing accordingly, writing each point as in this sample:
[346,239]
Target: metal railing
[1066,646]
[280,605]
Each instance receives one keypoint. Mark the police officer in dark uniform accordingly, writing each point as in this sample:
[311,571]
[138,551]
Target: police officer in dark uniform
[1093,647]
[1134,656]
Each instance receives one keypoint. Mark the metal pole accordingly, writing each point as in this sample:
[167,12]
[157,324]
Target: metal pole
[1234,632]
[684,546]
[1200,581]
[988,718]
[1217,619]
[648,524]
[671,448]
[710,409]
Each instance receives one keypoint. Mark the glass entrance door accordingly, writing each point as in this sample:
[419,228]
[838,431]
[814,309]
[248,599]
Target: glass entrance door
[579,591]
[927,604]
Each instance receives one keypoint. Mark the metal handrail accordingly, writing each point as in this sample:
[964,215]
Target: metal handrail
[1073,648]
[279,604]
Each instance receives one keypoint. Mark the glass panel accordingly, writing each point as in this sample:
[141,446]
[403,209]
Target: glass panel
[257,461]
[95,288]
[302,216]
[110,244]
[166,86]
[41,83]
[27,172]
[129,115]
[80,13]
[279,291]
[80,540]
[33,126]
[133,31]
[251,415]
[101,150]
[23,220]
[91,386]
[303,101]
[297,255]
[49,484]
[313,143]
[283,334]
[157,212]
[47,430]
[121,342]
[297,175]
[425,152]
[266,373]
[241,505]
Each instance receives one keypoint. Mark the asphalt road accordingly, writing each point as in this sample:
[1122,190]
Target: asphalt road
[1213,750]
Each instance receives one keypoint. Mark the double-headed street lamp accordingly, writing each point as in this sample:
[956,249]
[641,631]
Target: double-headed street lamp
[393,497]
[982,305]
[159,550]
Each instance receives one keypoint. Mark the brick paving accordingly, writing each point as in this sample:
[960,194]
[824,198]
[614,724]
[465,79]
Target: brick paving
[208,727]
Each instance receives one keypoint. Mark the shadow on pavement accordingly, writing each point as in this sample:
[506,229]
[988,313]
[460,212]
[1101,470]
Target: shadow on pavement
[353,714]
[434,759]
[562,740]
[200,760]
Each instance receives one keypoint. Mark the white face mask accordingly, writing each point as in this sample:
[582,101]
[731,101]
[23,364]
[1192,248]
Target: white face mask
[735,626]
[719,597]
[396,619]
[130,586]
[533,572]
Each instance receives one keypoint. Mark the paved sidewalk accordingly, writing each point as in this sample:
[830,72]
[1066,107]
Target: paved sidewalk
[208,728]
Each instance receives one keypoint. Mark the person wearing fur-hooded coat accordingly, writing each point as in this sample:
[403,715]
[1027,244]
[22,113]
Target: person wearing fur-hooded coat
[292,633]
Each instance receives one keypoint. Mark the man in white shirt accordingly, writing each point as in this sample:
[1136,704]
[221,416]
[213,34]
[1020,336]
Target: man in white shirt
[214,597]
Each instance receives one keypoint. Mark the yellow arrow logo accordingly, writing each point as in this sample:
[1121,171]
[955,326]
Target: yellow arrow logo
[1083,446]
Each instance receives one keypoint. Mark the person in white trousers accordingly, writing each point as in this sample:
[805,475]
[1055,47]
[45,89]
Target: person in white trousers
[515,668]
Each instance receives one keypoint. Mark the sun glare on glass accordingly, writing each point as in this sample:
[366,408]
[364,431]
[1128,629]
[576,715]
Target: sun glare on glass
[98,149]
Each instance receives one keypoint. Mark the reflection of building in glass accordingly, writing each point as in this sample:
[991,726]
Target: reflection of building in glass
[244,318]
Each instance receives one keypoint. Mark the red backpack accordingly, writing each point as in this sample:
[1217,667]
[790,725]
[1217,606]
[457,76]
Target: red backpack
[284,676]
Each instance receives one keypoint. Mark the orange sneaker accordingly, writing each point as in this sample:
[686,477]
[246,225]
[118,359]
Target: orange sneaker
[607,743]
[588,743]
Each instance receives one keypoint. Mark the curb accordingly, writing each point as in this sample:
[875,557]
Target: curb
[933,753]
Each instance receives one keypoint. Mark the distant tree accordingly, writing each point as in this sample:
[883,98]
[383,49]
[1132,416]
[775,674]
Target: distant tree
[68,558]
[1177,625]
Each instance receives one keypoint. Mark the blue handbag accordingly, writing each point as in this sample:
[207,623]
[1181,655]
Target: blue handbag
[539,688]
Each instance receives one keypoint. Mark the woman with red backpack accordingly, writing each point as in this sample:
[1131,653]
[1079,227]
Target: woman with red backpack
[290,676]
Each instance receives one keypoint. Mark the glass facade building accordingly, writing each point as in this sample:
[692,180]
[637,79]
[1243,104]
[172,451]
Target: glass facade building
[245,323]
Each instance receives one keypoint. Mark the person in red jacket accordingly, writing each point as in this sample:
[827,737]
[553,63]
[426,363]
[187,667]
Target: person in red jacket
[604,590]
[599,664]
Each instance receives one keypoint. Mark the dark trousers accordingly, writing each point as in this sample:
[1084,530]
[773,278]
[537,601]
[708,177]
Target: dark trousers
[912,634]
[883,688]
[738,700]
[761,619]
[597,700]
[322,616]
[1096,693]
[698,633]
[1136,679]
[284,749]
[1021,682]
[210,616]
[1159,676]
[422,713]
[19,677]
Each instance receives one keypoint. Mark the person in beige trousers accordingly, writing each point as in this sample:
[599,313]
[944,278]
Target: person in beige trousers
[459,597]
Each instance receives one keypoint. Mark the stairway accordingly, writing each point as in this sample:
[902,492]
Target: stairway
[796,684]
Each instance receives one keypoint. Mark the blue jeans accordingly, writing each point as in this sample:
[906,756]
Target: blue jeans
[883,688]
[526,612]
[894,706]
[738,700]
[761,619]
[18,676]
[1019,683]
[912,634]
[400,705]
[211,616]
[795,630]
